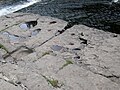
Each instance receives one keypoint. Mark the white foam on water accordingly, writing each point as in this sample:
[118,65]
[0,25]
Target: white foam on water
[115,1]
[11,9]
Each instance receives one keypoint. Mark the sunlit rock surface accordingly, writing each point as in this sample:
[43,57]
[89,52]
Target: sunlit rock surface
[45,53]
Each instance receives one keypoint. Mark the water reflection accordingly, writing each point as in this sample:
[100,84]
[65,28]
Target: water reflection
[24,26]
[56,47]
[13,38]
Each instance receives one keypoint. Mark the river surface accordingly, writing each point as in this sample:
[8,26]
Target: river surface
[101,14]
[10,6]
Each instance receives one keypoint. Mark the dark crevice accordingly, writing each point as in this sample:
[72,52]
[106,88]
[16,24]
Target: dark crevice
[69,25]
[112,77]
[109,76]
[84,41]
[31,23]
[53,22]
[15,83]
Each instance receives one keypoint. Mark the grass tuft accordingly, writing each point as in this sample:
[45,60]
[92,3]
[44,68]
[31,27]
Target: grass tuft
[53,82]
[66,64]
[45,53]
[4,48]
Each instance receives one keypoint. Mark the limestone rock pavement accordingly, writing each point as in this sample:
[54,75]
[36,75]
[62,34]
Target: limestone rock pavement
[40,53]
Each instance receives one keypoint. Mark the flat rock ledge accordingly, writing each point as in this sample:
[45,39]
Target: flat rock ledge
[45,53]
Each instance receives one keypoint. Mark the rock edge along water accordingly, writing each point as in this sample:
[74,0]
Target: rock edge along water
[104,16]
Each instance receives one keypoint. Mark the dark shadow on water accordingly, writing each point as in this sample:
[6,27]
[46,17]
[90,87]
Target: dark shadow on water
[103,16]
[98,15]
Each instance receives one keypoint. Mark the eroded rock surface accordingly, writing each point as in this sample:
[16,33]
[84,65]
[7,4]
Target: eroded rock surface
[44,53]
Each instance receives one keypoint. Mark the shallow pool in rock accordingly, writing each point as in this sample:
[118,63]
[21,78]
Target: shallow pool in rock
[13,38]
[56,47]
[28,25]
[24,26]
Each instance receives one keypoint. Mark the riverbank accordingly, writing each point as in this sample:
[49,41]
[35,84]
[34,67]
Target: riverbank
[45,53]
[103,16]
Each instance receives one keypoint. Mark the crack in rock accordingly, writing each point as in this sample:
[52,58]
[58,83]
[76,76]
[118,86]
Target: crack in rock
[112,77]
[10,53]
[11,81]
[68,26]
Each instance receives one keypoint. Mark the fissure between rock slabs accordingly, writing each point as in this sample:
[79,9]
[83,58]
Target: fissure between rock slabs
[31,49]
[112,77]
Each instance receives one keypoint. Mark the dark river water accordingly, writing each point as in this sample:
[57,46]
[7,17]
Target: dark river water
[101,14]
